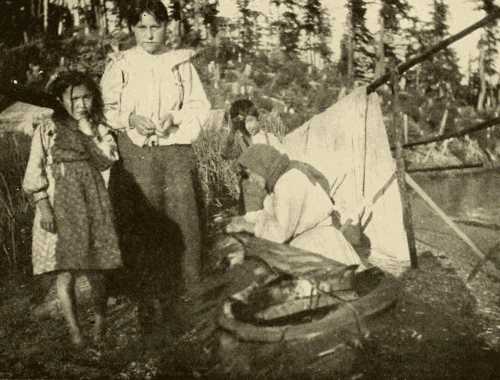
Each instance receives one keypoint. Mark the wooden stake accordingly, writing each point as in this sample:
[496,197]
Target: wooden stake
[483,261]
[434,207]
[405,128]
[400,172]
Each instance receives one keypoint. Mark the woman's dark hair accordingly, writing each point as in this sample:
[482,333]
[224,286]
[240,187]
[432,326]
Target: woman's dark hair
[243,107]
[155,8]
[71,79]
[239,110]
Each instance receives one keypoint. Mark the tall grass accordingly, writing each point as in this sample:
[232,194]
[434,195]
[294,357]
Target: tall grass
[16,213]
[219,177]
[271,122]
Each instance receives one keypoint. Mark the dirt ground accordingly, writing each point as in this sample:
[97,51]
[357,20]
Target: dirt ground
[439,329]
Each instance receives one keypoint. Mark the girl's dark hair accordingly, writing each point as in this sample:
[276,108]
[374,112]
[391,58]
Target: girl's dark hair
[243,107]
[155,8]
[71,79]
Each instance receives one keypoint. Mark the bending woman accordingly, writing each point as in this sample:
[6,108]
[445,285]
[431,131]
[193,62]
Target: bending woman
[297,209]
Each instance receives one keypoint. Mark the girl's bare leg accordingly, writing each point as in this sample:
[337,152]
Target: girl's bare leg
[67,297]
[99,299]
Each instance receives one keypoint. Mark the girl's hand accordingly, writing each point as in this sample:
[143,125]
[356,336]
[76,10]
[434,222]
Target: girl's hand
[239,224]
[47,220]
[85,127]
[144,126]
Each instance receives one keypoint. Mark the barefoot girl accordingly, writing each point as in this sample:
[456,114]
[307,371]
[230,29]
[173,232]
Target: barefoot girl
[73,231]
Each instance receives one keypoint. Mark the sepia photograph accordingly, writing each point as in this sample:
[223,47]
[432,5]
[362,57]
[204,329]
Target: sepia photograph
[249,189]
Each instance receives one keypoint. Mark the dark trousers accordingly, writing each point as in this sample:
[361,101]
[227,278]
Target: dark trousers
[156,199]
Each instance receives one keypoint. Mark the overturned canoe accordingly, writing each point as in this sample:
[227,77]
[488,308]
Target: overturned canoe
[306,317]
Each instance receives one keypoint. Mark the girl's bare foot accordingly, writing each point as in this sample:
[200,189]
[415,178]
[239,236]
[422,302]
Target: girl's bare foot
[98,331]
[76,338]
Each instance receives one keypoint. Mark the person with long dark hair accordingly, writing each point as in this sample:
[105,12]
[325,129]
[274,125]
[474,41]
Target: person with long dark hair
[245,130]
[73,230]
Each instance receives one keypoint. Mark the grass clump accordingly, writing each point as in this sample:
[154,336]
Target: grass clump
[16,212]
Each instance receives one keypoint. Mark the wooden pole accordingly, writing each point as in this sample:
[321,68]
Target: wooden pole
[400,172]
[445,168]
[400,69]
[476,128]
[478,266]
[415,186]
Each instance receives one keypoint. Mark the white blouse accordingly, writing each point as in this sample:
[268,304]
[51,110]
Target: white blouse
[154,86]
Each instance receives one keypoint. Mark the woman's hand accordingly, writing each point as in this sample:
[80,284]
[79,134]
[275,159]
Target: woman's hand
[47,220]
[167,126]
[142,124]
[239,224]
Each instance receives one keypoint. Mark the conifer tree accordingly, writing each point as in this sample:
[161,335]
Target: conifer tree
[441,72]
[357,55]
[391,14]
[316,25]
[488,52]
[247,25]
[288,25]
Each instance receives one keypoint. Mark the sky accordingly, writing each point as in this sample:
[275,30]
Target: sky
[461,15]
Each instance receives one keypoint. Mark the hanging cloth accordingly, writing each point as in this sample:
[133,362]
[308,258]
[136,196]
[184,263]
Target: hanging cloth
[348,143]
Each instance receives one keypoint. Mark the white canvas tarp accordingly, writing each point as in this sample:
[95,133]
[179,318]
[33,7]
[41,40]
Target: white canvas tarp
[348,142]
[21,117]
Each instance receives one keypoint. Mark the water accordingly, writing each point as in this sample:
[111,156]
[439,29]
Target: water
[472,195]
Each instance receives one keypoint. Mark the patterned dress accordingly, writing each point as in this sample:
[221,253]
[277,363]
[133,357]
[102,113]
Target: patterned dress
[64,166]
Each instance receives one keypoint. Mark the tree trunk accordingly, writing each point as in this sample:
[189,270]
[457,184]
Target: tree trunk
[444,120]
[181,20]
[40,8]
[380,69]
[45,15]
[196,20]
[482,77]
[76,16]
[350,54]
[100,16]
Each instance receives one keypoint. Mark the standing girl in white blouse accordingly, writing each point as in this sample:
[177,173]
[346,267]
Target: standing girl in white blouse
[155,97]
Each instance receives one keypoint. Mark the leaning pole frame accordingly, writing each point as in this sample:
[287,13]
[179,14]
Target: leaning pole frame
[403,177]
